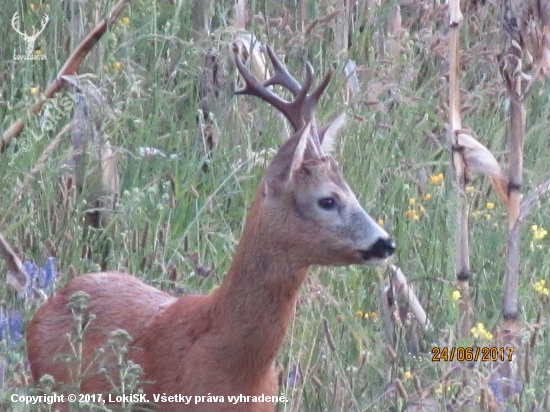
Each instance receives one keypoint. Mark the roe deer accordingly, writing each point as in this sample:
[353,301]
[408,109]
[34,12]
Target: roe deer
[225,344]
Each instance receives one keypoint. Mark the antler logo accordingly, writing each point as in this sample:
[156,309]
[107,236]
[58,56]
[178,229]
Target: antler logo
[30,40]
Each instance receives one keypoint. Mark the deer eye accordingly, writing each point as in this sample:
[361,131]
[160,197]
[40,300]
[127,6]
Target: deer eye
[327,203]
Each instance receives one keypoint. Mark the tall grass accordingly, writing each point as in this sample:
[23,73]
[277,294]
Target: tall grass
[173,215]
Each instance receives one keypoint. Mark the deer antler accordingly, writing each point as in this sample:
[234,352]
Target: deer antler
[299,111]
[45,20]
[15,23]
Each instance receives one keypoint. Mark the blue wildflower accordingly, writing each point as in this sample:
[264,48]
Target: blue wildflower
[15,321]
[294,376]
[49,276]
[3,325]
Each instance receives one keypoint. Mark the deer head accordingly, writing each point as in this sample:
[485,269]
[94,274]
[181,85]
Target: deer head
[303,196]
[30,40]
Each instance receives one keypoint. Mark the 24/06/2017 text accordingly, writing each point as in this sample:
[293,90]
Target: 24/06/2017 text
[468,354]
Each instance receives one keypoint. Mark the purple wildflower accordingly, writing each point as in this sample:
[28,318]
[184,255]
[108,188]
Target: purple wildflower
[33,274]
[41,278]
[49,276]
[3,325]
[15,322]
[294,376]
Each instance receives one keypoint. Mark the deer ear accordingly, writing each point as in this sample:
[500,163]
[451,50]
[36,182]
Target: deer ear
[298,157]
[288,160]
[327,135]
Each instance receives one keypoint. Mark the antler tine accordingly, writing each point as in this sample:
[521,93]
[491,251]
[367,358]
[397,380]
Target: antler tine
[254,88]
[307,84]
[305,103]
[281,77]
[316,95]
[301,109]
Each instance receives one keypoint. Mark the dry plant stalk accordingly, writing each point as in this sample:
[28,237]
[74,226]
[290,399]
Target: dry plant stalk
[36,168]
[17,277]
[201,11]
[395,35]
[321,20]
[512,72]
[527,24]
[402,286]
[71,67]
[462,260]
[241,14]
[302,14]
[92,162]
[387,320]
[513,76]
[341,27]
[388,304]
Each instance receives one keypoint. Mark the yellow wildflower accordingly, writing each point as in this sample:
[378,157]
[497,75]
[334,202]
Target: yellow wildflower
[456,295]
[381,222]
[117,65]
[421,209]
[412,214]
[34,90]
[488,216]
[436,179]
[540,287]
[490,205]
[33,6]
[479,331]
[538,233]
[469,189]
[407,375]
[38,52]
[412,201]
[427,196]
[125,21]
[366,315]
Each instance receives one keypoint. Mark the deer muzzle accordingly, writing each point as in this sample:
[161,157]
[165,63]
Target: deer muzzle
[382,249]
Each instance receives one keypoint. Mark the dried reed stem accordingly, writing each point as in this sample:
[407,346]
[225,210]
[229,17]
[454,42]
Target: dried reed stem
[71,67]
[530,200]
[241,14]
[341,27]
[402,286]
[39,163]
[515,142]
[17,277]
[513,76]
[462,260]
[387,316]
[303,6]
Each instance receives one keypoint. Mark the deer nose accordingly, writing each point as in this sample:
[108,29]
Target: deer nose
[383,248]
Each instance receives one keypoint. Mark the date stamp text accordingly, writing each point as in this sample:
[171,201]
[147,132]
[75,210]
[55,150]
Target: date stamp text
[469,354]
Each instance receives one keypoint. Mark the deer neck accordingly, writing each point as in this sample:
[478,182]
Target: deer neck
[257,299]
